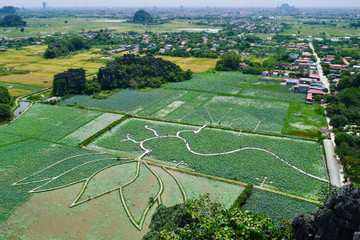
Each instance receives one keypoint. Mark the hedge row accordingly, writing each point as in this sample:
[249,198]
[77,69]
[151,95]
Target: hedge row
[99,133]
[241,200]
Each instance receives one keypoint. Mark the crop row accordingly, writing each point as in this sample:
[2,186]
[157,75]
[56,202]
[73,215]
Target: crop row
[277,207]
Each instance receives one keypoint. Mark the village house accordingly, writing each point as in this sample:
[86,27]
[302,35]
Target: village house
[302,88]
[292,82]
[314,92]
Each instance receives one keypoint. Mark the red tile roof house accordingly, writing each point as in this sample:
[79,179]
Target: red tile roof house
[314,76]
[314,92]
[338,66]
[305,65]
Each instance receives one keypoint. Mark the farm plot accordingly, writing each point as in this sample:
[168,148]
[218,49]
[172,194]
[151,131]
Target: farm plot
[128,101]
[294,166]
[270,90]
[218,82]
[276,206]
[195,187]
[272,95]
[6,139]
[196,65]
[48,122]
[239,113]
[20,86]
[305,120]
[91,128]
[26,165]
[47,215]
[193,100]
[174,193]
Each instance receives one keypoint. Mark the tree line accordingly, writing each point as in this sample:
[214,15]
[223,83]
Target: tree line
[64,46]
[344,111]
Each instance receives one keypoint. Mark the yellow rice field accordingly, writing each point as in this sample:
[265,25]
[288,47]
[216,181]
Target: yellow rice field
[42,70]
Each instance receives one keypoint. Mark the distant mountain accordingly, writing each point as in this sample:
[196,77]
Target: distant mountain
[8,10]
[286,9]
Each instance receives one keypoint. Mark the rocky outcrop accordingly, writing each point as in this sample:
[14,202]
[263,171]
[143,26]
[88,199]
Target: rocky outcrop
[338,220]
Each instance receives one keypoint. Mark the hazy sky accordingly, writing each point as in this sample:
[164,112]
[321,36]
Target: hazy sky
[176,3]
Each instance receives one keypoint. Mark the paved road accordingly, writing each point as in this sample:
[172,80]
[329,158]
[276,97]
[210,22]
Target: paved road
[336,177]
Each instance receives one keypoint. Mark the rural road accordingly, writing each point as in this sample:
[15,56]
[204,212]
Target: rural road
[336,178]
[334,166]
[323,78]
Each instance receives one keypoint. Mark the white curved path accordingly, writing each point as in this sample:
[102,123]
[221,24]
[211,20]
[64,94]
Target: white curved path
[146,150]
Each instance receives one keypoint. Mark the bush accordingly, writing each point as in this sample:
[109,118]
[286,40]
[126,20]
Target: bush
[241,200]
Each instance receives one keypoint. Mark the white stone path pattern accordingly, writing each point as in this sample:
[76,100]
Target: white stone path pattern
[146,151]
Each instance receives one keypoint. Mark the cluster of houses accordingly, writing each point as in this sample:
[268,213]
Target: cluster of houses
[312,86]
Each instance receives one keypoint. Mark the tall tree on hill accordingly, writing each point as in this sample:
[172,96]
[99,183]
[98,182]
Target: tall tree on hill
[8,10]
[143,16]
[12,21]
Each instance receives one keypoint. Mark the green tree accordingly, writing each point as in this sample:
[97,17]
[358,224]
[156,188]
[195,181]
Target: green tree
[50,53]
[5,112]
[92,87]
[72,81]
[338,121]
[77,42]
[229,62]
[4,95]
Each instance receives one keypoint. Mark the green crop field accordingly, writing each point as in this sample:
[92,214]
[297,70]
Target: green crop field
[128,101]
[195,187]
[48,122]
[228,154]
[270,90]
[218,82]
[239,113]
[277,207]
[90,128]
[46,26]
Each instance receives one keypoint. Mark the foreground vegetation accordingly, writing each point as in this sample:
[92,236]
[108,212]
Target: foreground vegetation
[203,219]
